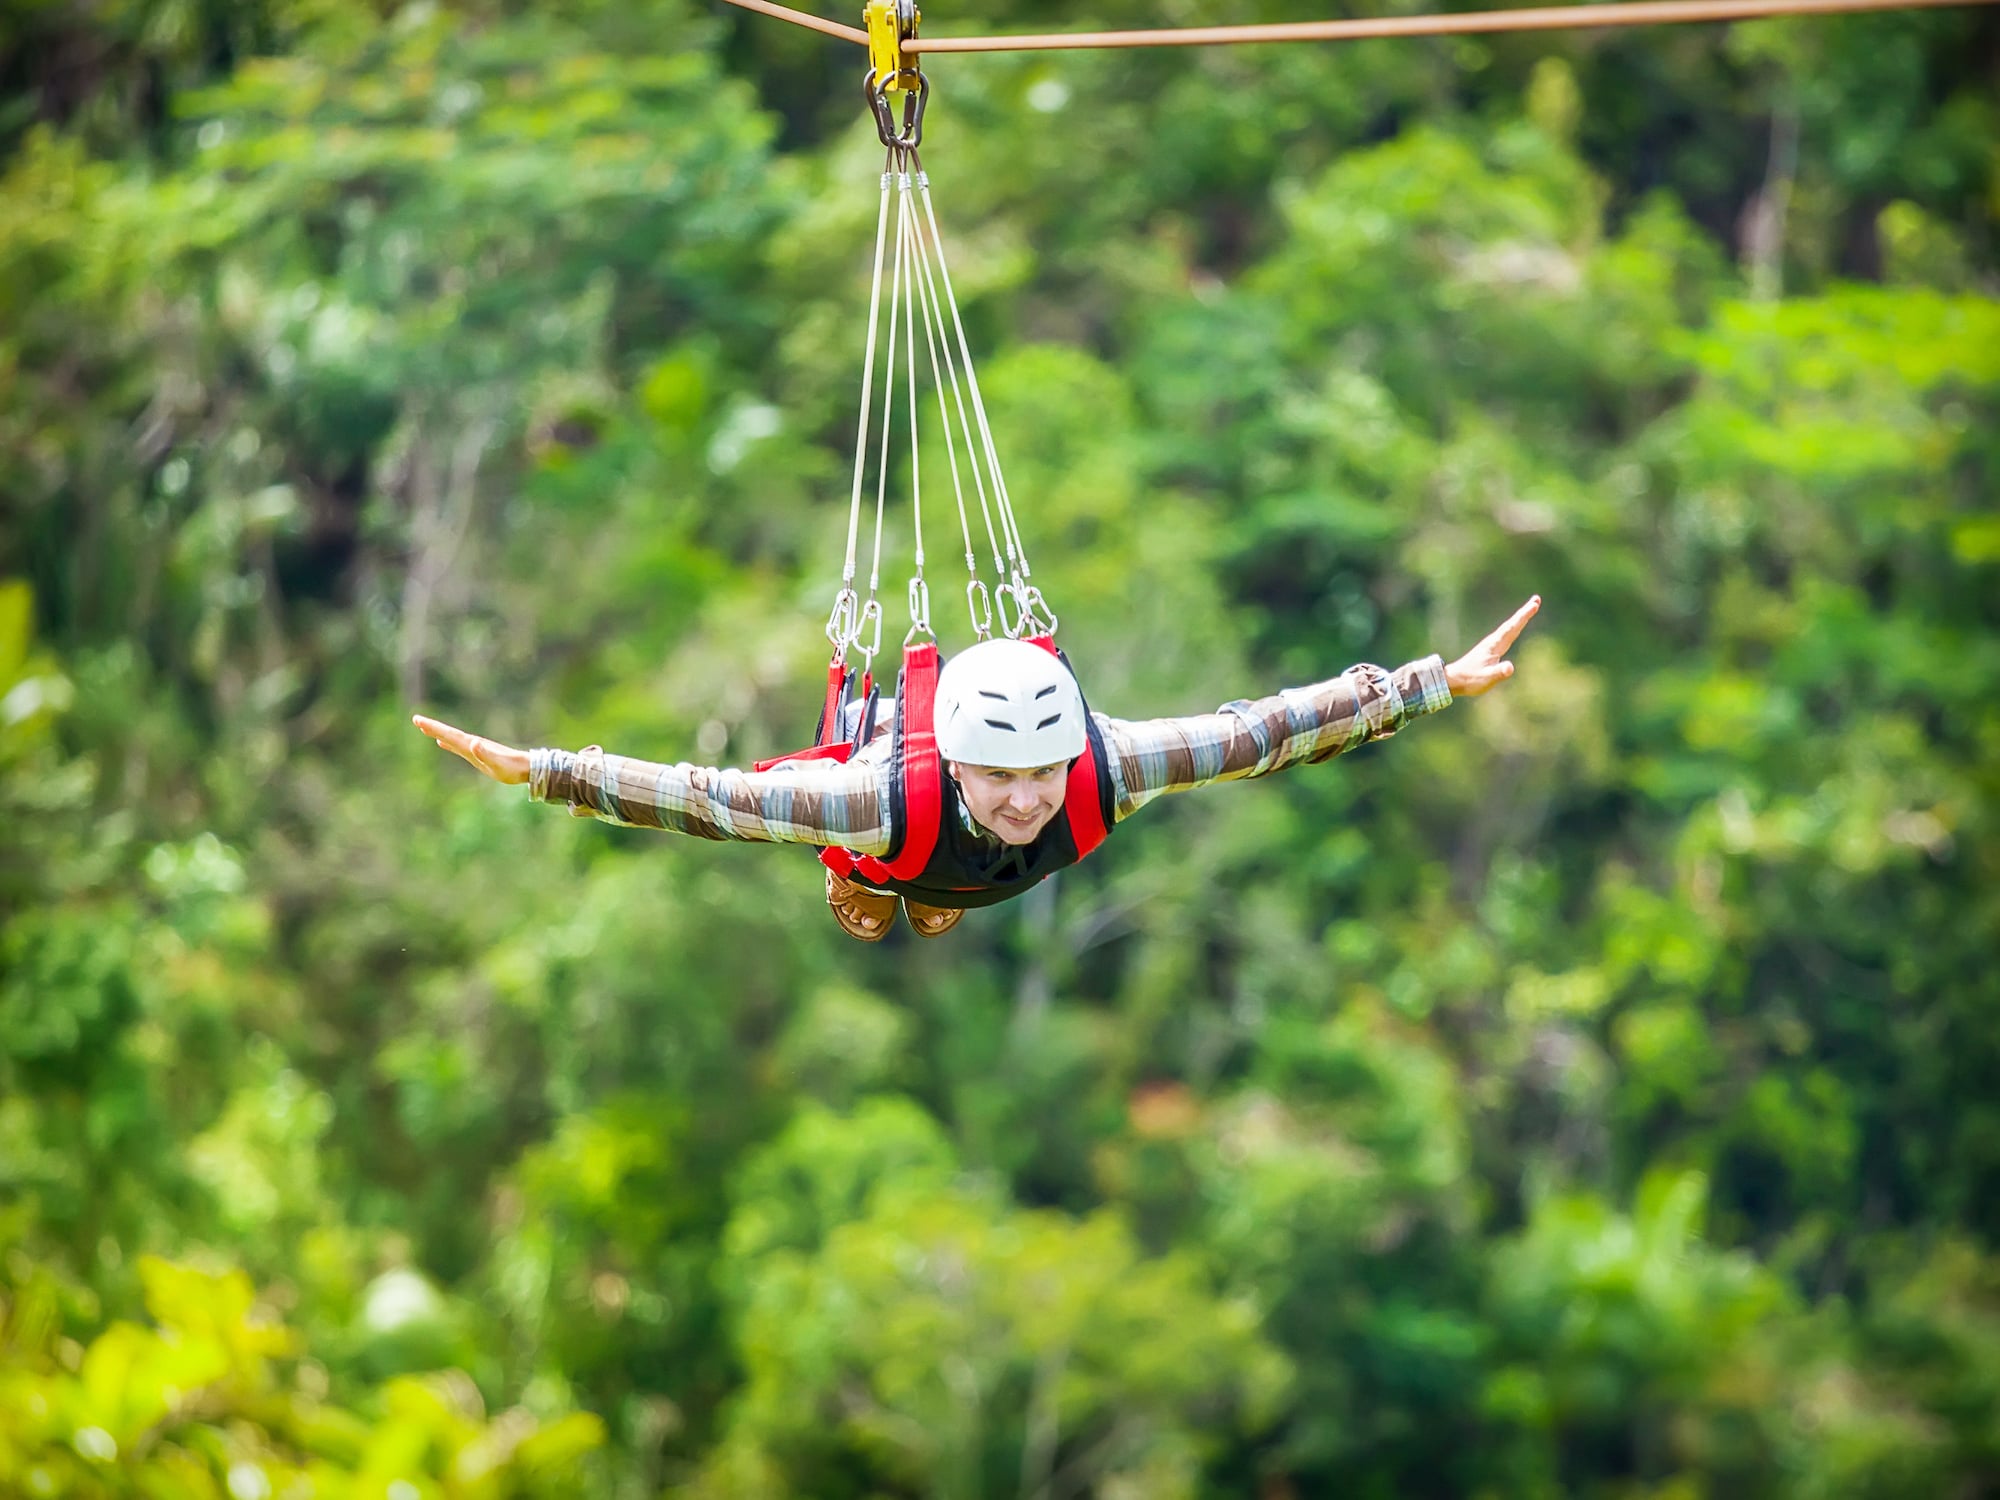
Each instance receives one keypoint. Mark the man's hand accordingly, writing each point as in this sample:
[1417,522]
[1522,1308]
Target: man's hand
[1484,666]
[503,763]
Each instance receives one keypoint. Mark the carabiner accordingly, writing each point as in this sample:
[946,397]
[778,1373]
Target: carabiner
[1038,613]
[980,606]
[871,614]
[841,624]
[920,605]
[1011,628]
[916,91]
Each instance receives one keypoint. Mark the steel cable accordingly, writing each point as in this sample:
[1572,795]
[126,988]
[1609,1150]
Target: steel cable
[1456,23]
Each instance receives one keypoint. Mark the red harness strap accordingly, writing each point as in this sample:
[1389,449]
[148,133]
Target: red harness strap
[1080,803]
[827,745]
[923,772]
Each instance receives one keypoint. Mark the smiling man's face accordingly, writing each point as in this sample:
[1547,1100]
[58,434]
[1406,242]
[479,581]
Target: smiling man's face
[1014,806]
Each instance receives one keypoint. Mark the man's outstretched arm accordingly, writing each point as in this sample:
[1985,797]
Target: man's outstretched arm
[1300,725]
[817,802]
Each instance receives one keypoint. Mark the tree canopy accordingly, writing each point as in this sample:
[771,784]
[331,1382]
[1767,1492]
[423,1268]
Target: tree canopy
[1588,1092]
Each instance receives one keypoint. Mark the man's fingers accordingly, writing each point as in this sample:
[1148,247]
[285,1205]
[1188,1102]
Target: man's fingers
[1484,666]
[447,738]
[1518,621]
[457,741]
[504,763]
[1502,640]
[469,748]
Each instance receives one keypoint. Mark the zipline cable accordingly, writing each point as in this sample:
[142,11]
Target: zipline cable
[801,18]
[1543,18]
[1457,23]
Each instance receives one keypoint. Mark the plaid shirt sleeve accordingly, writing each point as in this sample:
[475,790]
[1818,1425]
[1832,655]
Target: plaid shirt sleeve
[801,802]
[1299,725]
[822,802]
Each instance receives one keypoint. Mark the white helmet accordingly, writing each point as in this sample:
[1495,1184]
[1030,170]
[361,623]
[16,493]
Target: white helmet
[1007,703]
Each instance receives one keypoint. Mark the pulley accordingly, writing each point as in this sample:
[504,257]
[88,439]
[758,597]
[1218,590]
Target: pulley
[889,24]
[894,71]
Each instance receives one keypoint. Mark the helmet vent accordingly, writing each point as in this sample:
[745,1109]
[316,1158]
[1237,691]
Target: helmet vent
[1047,690]
[996,724]
[1051,719]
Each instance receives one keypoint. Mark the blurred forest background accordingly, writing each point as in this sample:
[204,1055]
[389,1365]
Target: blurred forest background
[1589,1093]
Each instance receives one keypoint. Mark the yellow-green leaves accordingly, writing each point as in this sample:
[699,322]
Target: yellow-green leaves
[205,1400]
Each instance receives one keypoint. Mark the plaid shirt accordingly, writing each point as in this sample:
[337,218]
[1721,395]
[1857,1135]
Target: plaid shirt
[821,802]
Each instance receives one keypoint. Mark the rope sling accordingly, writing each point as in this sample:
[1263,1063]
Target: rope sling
[919,290]
[920,287]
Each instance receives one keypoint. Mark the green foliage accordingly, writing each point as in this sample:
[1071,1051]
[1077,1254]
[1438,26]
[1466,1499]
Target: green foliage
[936,1344]
[209,1399]
[1588,1093]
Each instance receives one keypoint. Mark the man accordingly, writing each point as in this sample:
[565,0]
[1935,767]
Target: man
[1012,730]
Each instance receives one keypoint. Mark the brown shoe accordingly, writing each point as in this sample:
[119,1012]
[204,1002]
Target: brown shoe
[931,921]
[861,913]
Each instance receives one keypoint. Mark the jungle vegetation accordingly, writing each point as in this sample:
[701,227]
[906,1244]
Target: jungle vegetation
[1589,1092]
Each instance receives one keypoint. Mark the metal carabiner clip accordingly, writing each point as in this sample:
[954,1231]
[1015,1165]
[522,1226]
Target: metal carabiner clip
[979,605]
[1036,612]
[871,614]
[920,607]
[842,624]
[1011,593]
[916,95]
